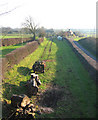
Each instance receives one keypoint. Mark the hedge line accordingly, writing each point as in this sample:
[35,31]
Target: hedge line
[17,55]
[13,41]
[90,68]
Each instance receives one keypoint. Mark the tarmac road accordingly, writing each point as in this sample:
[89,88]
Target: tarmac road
[84,50]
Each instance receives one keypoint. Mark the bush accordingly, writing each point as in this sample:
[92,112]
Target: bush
[19,54]
[5,66]
[14,41]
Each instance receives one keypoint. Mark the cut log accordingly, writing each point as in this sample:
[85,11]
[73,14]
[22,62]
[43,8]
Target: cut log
[39,66]
[32,84]
[33,75]
[20,100]
[38,82]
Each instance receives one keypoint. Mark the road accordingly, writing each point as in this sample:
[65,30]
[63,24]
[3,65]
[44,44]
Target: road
[84,50]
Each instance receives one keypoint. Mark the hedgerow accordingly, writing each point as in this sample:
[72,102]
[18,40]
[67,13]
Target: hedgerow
[18,54]
[14,41]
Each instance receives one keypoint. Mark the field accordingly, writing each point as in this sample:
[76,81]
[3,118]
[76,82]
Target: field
[7,49]
[15,36]
[89,44]
[71,92]
[78,38]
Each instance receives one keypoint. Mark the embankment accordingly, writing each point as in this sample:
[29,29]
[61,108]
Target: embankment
[89,63]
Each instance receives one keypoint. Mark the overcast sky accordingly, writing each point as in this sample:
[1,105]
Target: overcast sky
[57,14]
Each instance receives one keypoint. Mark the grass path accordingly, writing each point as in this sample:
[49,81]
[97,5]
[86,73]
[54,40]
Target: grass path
[78,98]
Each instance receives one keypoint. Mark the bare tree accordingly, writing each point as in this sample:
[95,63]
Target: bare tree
[31,26]
[41,32]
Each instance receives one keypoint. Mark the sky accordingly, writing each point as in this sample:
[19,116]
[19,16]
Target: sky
[56,14]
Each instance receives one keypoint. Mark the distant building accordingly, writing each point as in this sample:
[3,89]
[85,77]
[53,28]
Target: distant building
[59,38]
[70,33]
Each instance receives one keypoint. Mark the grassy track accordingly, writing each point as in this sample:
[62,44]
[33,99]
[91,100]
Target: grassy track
[78,98]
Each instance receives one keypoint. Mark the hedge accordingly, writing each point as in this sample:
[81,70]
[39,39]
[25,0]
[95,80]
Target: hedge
[14,41]
[18,54]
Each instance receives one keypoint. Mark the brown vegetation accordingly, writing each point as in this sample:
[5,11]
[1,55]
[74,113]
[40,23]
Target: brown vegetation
[18,54]
[13,41]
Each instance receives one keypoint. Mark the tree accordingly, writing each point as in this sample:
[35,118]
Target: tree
[41,32]
[31,26]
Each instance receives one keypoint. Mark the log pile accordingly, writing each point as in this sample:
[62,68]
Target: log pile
[24,108]
[39,66]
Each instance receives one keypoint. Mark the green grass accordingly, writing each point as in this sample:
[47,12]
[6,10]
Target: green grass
[4,37]
[15,36]
[66,71]
[89,44]
[7,49]
[78,38]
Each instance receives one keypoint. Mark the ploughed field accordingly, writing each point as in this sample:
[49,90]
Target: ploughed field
[66,86]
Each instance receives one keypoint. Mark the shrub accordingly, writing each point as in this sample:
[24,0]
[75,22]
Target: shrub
[5,66]
[14,41]
[17,55]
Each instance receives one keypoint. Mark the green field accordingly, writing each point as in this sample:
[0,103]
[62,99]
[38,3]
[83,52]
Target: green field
[7,49]
[89,44]
[78,38]
[16,36]
[4,37]
[76,95]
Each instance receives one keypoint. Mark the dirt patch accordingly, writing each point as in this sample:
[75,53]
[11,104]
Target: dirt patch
[51,96]
[49,60]
[44,50]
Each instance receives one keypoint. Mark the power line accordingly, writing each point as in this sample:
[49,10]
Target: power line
[8,11]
